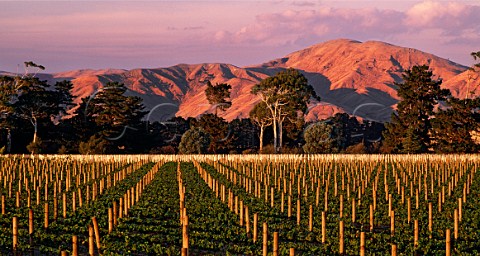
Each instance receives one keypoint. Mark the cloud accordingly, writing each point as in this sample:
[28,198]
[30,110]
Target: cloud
[452,20]
[296,25]
[303,3]
[194,28]
[435,14]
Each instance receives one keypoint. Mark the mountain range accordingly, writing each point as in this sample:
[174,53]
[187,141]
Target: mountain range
[349,76]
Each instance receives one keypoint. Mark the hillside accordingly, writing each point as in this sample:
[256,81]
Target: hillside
[349,76]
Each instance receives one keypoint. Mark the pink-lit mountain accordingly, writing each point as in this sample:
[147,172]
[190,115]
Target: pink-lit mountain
[349,76]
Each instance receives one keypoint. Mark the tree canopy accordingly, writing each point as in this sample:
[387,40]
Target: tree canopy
[419,94]
[284,94]
[217,95]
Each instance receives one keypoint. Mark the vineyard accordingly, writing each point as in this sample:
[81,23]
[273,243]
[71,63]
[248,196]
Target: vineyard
[240,205]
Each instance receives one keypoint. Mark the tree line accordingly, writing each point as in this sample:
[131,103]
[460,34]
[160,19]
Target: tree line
[37,117]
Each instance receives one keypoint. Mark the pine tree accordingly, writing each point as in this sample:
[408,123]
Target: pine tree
[117,117]
[453,127]
[217,95]
[419,94]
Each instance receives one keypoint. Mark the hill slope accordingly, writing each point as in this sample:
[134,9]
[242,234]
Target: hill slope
[349,76]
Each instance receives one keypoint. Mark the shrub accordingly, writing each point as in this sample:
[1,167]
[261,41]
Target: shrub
[194,141]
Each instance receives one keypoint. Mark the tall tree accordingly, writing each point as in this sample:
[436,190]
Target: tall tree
[453,127]
[218,128]
[217,95]
[242,132]
[10,91]
[347,130]
[260,115]
[7,94]
[116,115]
[419,94]
[35,101]
[286,92]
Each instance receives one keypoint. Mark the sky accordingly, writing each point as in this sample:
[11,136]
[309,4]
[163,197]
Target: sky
[86,34]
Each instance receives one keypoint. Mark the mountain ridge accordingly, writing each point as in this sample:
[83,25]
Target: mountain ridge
[350,76]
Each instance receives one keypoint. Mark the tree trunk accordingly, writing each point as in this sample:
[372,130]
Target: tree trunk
[275,136]
[275,131]
[35,129]
[262,128]
[280,135]
[9,141]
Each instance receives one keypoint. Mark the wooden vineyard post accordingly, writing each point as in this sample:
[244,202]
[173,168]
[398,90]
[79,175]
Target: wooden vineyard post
[29,199]
[241,212]
[389,204]
[74,246]
[120,208]
[185,233]
[324,228]
[265,239]
[371,218]
[289,210]
[3,204]
[30,221]
[15,234]
[236,205]
[447,243]
[298,212]
[310,218]
[439,202]
[392,223]
[30,226]
[64,205]
[341,242]
[17,199]
[292,251]
[46,216]
[272,197]
[282,203]
[90,241]
[38,195]
[110,220]
[341,206]
[326,200]
[362,244]
[55,208]
[255,227]
[247,220]
[275,243]
[114,209]
[97,232]
[74,202]
[80,200]
[459,209]
[409,210]
[394,250]
[415,233]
